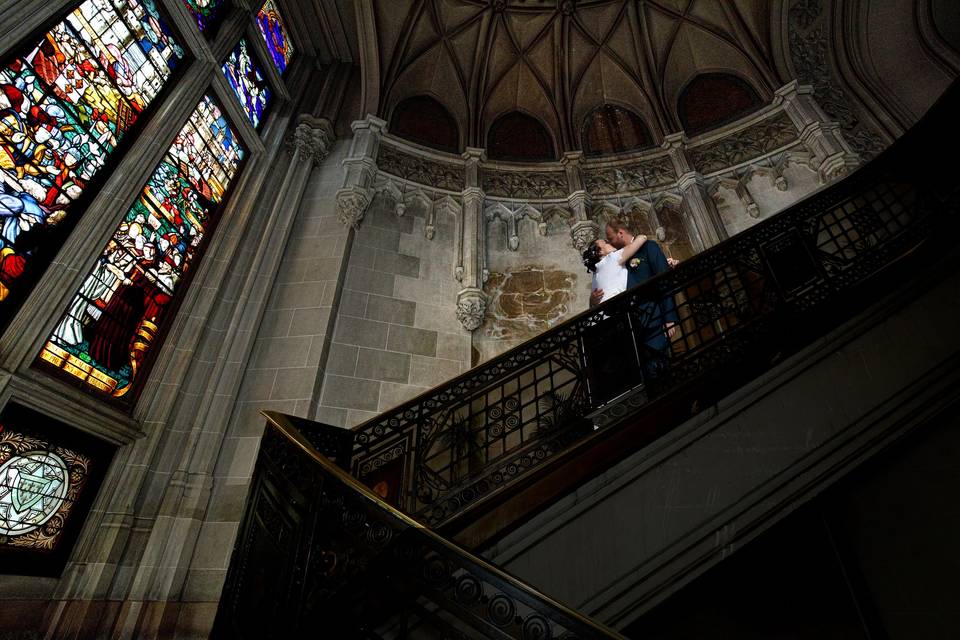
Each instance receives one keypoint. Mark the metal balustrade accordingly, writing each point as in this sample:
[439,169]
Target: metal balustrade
[320,555]
[322,550]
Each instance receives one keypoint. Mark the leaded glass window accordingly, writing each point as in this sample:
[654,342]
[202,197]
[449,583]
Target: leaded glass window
[207,13]
[48,475]
[110,329]
[244,75]
[66,102]
[275,35]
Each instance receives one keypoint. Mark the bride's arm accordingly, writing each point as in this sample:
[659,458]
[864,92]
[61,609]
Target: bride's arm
[631,249]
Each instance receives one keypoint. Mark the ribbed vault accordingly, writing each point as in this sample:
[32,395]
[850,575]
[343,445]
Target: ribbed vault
[558,60]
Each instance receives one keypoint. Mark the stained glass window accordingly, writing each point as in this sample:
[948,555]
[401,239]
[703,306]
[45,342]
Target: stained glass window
[65,104]
[248,83]
[207,13]
[110,328]
[275,35]
[48,474]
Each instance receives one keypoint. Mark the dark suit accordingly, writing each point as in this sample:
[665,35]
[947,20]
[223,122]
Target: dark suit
[651,315]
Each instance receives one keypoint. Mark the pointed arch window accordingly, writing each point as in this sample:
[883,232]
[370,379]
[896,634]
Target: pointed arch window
[275,35]
[713,99]
[107,337]
[613,129]
[517,136]
[424,120]
[68,101]
[246,79]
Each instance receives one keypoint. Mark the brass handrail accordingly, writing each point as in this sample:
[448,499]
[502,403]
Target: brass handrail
[362,568]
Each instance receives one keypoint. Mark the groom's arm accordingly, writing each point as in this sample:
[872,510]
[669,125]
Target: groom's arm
[668,307]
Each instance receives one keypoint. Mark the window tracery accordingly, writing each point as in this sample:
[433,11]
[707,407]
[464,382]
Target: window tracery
[106,338]
[247,81]
[66,103]
[275,35]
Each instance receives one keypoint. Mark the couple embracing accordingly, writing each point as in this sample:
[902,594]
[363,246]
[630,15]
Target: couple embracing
[621,262]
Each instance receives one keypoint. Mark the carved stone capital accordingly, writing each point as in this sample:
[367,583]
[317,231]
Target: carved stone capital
[352,203]
[577,201]
[690,180]
[473,196]
[583,233]
[371,122]
[471,308]
[313,138]
[675,141]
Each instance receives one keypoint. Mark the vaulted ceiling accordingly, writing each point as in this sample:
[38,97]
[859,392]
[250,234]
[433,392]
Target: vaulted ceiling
[558,59]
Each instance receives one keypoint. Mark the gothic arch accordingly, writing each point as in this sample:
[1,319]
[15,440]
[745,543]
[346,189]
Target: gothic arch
[519,136]
[424,120]
[713,99]
[610,128]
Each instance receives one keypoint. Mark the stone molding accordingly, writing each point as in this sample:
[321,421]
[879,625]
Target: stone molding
[686,174]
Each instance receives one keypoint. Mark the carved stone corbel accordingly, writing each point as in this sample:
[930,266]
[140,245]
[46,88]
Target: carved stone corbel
[471,307]
[352,203]
[312,138]
[360,171]
[583,233]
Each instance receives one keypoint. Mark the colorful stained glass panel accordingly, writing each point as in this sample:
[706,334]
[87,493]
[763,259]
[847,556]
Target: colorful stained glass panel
[49,474]
[39,484]
[111,325]
[65,103]
[207,13]
[244,75]
[275,35]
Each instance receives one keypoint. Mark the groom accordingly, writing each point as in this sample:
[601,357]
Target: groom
[658,318]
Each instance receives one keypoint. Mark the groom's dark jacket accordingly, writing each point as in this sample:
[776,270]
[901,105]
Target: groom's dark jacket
[649,261]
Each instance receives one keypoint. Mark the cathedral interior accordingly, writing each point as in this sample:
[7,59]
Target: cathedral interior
[297,338]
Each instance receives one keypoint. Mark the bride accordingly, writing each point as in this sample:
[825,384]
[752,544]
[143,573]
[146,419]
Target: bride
[609,265]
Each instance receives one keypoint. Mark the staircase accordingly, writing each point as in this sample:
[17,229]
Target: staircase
[551,458]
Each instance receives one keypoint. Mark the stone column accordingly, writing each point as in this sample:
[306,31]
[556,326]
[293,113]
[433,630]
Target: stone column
[583,231]
[832,156]
[699,206]
[472,250]
[361,169]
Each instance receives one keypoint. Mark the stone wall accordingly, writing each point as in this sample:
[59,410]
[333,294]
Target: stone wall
[396,332]
[532,289]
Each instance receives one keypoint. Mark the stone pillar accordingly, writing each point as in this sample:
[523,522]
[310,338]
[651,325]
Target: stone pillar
[583,231]
[832,156]
[361,169]
[700,208]
[472,250]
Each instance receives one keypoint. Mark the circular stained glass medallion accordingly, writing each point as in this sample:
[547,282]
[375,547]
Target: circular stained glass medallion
[33,487]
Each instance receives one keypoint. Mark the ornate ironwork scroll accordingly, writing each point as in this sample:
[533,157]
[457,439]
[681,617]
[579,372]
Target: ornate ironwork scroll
[319,551]
[763,293]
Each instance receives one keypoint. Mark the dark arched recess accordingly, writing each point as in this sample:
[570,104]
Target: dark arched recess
[613,129]
[517,136]
[423,120]
[714,99]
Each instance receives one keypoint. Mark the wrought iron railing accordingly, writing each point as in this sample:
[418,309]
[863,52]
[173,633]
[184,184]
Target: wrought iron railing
[738,308]
[319,551]
[320,555]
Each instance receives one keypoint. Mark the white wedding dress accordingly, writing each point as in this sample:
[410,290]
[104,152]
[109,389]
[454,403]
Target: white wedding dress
[610,275]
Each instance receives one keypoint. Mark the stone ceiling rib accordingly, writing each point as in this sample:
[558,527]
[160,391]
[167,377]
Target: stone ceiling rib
[487,46]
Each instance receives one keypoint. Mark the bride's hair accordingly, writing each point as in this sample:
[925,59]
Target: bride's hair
[591,256]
